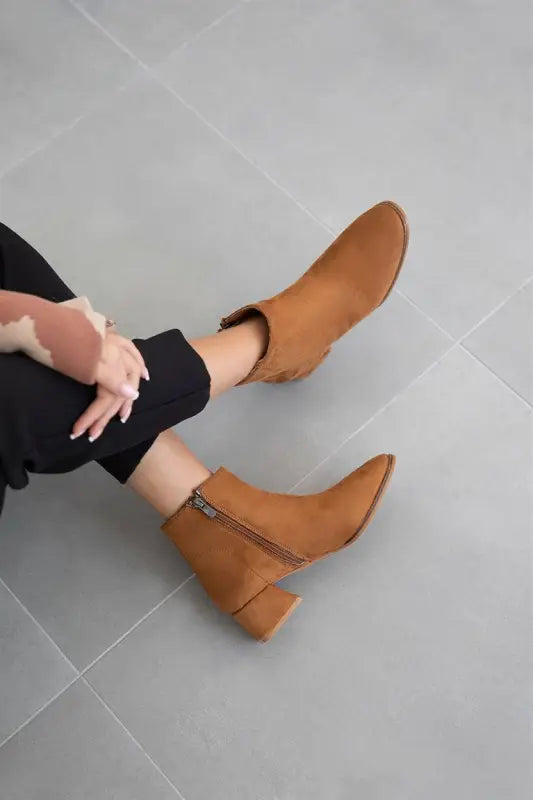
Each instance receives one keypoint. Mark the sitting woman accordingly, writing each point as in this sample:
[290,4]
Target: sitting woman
[72,390]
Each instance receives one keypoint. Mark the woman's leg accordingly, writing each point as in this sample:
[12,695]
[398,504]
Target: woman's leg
[168,474]
[231,354]
[184,376]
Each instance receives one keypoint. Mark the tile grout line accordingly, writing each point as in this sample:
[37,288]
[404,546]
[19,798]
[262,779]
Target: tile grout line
[135,625]
[95,109]
[421,311]
[40,627]
[132,737]
[377,414]
[508,386]
[457,343]
[237,150]
[461,341]
[39,710]
[79,674]
[316,219]
[496,308]
[195,36]
[127,50]
[327,228]
[40,147]
[158,79]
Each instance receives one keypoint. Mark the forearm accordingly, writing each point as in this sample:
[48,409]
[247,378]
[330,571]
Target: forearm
[67,337]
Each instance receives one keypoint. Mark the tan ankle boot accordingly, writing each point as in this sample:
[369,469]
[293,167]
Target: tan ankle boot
[352,278]
[240,540]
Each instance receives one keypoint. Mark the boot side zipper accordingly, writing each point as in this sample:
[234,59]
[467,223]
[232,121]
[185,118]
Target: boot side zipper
[275,550]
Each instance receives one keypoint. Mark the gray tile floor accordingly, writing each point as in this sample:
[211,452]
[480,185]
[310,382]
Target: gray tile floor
[174,159]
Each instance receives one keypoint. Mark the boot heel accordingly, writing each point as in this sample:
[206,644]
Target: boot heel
[267,612]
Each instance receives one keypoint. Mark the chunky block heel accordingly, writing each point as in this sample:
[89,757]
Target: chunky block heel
[265,613]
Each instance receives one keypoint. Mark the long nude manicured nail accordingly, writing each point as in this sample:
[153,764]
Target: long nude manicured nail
[95,436]
[126,416]
[128,391]
[146,375]
[76,435]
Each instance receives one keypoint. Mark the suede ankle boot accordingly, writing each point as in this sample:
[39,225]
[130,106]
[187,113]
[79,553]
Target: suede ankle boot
[240,540]
[352,278]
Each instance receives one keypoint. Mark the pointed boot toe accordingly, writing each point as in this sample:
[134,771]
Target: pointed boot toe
[370,481]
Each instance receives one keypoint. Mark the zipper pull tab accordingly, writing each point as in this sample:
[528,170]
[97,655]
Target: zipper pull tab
[199,503]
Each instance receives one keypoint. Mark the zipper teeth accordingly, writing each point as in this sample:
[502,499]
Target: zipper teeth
[270,547]
[277,550]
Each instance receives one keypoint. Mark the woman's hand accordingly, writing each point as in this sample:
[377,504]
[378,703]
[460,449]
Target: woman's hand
[120,367]
[118,376]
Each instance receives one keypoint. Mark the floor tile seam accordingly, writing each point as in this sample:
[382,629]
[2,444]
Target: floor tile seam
[323,225]
[202,118]
[457,344]
[508,297]
[134,627]
[200,33]
[39,711]
[132,54]
[94,110]
[130,735]
[79,673]
[378,413]
[40,627]
[493,372]
[155,76]
[151,71]
[19,162]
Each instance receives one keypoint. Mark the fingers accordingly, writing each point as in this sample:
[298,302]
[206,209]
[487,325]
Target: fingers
[120,384]
[122,378]
[113,376]
[107,404]
[130,348]
[92,414]
[125,390]
[134,379]
[125,410]
[98,427]
[118,377]
[134,370]
[95,418]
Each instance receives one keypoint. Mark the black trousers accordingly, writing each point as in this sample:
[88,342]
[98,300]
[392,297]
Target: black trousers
[39,406]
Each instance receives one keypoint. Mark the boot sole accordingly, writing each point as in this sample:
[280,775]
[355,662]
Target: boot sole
[370,514]
[405,224]
[267,612]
